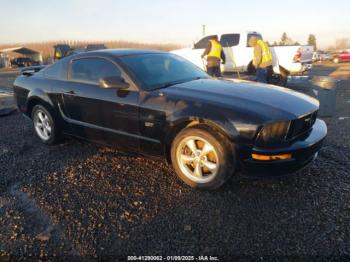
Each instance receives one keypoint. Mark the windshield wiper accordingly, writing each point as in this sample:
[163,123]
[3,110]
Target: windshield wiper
[169,84]
[178,82]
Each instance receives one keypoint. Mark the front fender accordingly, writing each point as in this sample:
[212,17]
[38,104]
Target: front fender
[212,118]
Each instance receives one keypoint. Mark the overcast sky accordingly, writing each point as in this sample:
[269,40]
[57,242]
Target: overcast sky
[175,21]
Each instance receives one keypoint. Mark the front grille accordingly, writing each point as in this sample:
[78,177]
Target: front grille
[301,125]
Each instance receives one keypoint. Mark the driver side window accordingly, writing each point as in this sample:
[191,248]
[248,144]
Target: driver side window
[91,70]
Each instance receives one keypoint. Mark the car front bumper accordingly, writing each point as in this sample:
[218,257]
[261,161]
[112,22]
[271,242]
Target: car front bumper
[303,151]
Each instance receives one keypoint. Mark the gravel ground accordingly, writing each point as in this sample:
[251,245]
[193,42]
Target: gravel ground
[76,200]
[6,80]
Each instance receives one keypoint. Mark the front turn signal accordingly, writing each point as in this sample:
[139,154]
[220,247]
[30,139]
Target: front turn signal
[271,157]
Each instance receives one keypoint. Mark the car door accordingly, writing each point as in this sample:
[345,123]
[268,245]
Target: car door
[104,115]
[228,41]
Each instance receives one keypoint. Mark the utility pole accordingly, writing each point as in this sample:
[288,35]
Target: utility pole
[203,30]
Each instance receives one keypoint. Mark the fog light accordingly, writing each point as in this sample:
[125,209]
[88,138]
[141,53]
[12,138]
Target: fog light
[271,157]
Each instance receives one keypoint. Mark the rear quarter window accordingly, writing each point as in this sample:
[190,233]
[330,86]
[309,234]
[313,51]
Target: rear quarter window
[57,71]
[253,34]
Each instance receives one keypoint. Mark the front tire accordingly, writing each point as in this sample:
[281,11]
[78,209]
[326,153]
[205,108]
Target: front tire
[202,160]
[44,125]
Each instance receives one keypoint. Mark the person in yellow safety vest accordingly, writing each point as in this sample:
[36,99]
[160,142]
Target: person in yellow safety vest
[215,54]
[262,59]
[58,54]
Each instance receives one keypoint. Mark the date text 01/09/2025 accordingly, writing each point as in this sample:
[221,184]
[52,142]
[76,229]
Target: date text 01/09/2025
[173,258]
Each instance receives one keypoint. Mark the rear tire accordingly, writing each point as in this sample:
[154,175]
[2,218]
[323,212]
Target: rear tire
[202,160]
[44,125]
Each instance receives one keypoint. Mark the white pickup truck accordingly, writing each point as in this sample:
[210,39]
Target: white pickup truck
[287,60]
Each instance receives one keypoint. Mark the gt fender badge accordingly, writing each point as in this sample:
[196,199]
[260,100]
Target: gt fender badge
[149,124]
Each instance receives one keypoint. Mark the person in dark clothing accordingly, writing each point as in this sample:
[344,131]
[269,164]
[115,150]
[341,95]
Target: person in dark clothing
[215,54]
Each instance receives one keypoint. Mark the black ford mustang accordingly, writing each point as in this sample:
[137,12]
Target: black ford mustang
[158,104]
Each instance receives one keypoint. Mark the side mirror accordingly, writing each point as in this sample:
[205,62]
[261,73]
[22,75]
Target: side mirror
[113,82]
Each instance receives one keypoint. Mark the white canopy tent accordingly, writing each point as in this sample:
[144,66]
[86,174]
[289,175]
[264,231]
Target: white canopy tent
[30,53]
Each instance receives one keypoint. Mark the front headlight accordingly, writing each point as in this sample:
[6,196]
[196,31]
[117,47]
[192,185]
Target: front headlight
[273,134]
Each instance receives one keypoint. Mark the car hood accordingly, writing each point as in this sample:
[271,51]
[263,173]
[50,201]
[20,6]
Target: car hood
[271,102]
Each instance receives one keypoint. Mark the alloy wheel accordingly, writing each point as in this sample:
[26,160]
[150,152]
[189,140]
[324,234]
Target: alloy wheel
[197,159]
[43,125]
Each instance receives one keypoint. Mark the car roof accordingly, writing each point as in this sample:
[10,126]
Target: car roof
[122,52]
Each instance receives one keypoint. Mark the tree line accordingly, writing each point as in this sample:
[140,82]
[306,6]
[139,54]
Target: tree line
[286,40]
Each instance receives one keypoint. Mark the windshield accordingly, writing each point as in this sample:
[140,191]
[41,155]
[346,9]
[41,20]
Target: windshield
[161,70]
